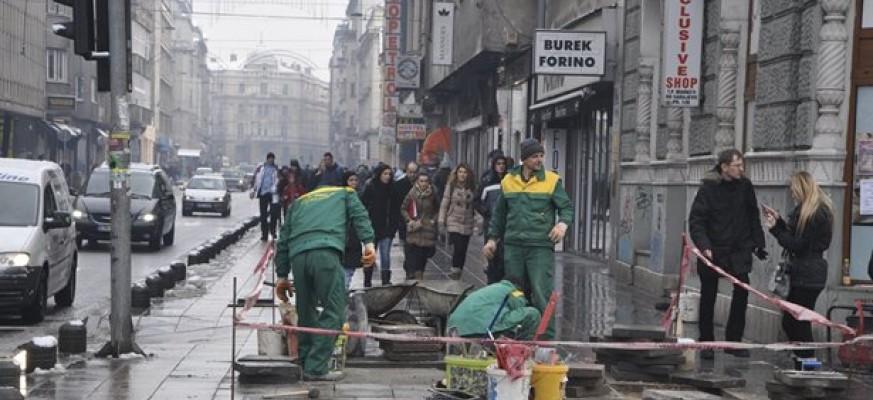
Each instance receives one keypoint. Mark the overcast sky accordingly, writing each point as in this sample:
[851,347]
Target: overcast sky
[303,26]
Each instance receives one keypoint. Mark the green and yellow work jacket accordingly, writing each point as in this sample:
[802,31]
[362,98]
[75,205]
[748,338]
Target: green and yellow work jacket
[526,210]
[318,220]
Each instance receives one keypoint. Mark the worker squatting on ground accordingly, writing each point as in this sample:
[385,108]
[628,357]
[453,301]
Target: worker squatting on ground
[474,315]
[524,218]
[311,246]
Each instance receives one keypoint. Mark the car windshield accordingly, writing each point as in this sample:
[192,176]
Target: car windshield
[20,202]
[142,184]
[206,184]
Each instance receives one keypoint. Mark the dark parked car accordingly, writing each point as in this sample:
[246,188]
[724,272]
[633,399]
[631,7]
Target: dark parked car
[152,207]
[234,181]
[206,193]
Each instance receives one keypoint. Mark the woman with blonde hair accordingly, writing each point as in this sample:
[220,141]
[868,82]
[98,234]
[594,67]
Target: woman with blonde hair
[805,237]
[456,215]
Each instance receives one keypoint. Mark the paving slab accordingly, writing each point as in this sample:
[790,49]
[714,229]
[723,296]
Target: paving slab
[363,391]
[822,379]
[586,391]
[630,331]
[707,380]
[585,370]
[655,394]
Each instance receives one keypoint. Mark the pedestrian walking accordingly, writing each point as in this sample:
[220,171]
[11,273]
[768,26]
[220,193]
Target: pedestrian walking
[266,190]
[329,173]
[402,186]
[804,237]
[353,253]
[292,188]
[441,177]
[531,201]
[378,197]
[420,212]
[457,216]
[724,223]
[311,247]
[486,200]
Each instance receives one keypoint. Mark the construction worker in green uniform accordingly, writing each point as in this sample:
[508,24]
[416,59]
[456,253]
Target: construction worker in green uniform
[311,245]
[524,218]
[474,315]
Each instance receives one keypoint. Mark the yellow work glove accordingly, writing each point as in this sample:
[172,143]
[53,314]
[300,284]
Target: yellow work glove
[284,290]
[369,257]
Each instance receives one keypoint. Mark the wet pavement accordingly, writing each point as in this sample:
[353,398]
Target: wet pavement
[188,335]
[93,285]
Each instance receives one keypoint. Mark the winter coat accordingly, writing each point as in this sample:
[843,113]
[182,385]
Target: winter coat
[456,211]
[320,220]
[259,177]
[807,265]
[525,212]
[332,176]
[353,253]
[475,313]
[400,188]
[487,195]
[421,227]
[440,181]
[382,207]
[724,218]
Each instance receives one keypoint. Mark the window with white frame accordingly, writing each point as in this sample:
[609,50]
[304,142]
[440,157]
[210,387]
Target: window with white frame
[56,65]
[80,88]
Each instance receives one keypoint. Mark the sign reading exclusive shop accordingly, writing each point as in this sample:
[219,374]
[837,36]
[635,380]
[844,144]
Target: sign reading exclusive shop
[569,53]
[683,40]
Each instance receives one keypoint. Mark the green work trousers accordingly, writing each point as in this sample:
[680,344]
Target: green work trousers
[319,280]
[526,319]
[535,266]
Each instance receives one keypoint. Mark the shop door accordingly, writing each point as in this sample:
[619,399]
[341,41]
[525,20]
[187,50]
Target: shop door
[555,145]
[592,201]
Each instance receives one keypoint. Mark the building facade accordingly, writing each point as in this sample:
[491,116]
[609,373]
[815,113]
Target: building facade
[270,102]
[781,81]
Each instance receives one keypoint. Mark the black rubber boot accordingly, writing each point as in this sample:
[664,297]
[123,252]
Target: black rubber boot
[386,278]
[368,277]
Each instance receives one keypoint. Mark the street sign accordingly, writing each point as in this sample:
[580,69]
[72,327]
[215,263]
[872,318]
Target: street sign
[408,72]
[411,128]
[569,52]
[683,40]
[443,33]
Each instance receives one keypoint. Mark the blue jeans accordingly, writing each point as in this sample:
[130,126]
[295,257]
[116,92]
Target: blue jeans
[383,246]
[350,272]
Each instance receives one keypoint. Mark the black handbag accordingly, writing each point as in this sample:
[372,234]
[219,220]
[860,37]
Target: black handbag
[781,282]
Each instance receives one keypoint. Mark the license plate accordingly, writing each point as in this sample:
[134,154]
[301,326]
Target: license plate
[204,206]
[104,228]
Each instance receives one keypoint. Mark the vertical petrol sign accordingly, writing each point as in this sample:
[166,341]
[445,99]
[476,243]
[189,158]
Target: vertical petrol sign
[390,56]
[683,39]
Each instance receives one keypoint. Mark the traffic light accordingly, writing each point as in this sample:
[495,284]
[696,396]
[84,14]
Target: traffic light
[81,29]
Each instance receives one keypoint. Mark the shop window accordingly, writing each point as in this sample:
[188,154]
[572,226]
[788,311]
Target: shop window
[862,187]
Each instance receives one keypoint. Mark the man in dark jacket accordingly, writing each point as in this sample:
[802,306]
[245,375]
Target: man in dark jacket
[328,174]
[486,199]
[725,225]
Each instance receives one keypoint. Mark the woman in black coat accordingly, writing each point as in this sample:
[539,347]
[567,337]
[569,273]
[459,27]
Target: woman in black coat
[353,252]
[805,237]
[379,200]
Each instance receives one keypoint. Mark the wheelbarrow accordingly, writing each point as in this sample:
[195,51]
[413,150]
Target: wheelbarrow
[381,299]
[439,298]
[858,355]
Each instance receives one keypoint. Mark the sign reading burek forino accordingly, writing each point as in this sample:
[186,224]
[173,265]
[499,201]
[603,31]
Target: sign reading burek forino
[569,52]
[683,39]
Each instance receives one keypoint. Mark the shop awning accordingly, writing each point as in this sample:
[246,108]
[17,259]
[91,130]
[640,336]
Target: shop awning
[103,133]
[63,131]
[188,153]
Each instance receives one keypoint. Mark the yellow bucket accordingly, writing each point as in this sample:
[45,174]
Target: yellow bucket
[549,381]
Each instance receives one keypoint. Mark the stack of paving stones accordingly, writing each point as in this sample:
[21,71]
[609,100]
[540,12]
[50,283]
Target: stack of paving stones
[796,385]
[259,369]
[639,365]
[410,351]
[585,380]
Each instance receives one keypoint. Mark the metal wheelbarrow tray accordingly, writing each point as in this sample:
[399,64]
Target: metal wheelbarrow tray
[439,298]
[381,299]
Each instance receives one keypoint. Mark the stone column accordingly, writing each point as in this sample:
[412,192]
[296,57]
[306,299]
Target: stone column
[674,132]
[727,88]
[830,82]
[644,113]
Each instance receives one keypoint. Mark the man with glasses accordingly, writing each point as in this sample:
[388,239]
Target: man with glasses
[725,225]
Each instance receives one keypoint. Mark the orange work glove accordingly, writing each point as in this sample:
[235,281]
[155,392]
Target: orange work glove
[369,257]
[284,290]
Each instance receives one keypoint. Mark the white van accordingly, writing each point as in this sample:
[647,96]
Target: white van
[38,255]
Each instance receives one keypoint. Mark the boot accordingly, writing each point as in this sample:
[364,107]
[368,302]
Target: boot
[386,278]
[368,277]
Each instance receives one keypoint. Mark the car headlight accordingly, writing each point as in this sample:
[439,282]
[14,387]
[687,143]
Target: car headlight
[189,198]
[14,259]
[79,214]
[219,198]
[241,181]
[147,217]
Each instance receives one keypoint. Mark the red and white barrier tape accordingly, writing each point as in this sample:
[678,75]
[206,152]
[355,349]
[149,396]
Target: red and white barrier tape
[797,311]
[260,274]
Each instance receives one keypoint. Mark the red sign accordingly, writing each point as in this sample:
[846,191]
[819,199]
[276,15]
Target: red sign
[390,52]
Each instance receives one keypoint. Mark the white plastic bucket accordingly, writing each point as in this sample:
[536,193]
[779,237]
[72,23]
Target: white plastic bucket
[501,387]
[271,343]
